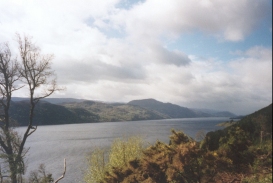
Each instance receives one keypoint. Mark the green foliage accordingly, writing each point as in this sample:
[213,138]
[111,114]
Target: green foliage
[211,140]
[45,114]
[248,144]
[236,139]
[227,123]
[248,130]
[257,122]
[115,112]
[167,109]
[267,178]
[178,138]
[97,166]
[184,160]
[181,161]
[84,115]
[49,114]
[124,150]
[102,162]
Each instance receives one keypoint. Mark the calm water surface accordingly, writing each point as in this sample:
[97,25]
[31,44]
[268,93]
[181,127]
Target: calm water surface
[51,144]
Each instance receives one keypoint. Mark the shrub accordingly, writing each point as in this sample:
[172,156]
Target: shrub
[185,160]
[124,150]
[96,169]
[102,162]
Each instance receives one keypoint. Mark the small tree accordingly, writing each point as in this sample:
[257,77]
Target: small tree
[102,163]
[35,71]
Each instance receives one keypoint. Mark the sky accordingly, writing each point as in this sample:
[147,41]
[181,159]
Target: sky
[214,54]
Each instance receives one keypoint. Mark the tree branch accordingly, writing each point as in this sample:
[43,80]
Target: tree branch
[63,173]
[34,129]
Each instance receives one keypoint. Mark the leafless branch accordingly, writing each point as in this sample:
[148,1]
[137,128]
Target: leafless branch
[33,130]
[63,173]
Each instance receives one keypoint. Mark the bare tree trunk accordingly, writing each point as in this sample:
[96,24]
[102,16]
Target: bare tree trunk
[8,76]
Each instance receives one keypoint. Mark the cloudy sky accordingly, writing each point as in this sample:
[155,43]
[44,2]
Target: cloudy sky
[214,54]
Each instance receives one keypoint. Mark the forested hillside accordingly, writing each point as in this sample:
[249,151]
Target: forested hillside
[68,110]
[115,112]
[168,109]
[49,114]
[257,126]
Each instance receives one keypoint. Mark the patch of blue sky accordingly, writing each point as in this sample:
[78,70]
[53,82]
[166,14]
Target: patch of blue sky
[107,31]
[90,21]
[208,46]
[113,33]
[128,4]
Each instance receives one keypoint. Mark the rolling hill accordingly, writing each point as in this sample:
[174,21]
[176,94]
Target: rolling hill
[115,112]
[68,110]
[167,109]
[48,114]
[257,124]
[216,113]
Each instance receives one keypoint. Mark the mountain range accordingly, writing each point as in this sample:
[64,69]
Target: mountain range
[51,111]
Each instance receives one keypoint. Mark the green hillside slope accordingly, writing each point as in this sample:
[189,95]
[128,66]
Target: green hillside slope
[257,125]
[49,114]
[115,112]
[168,109]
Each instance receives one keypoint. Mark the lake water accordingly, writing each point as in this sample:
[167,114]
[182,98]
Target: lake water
[51,144]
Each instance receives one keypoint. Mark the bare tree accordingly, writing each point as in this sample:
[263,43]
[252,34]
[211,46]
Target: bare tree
[9,140]
[34,70]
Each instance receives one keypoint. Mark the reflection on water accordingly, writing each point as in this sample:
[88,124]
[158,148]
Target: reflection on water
[51,144]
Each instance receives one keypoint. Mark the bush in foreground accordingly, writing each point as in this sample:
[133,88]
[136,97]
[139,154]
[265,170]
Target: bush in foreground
[240,153]
[181,161]
[184,160]
[102,162]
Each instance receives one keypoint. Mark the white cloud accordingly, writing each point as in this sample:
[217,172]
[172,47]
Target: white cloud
[94,64]
[205,83]
[245,80]
[231,20]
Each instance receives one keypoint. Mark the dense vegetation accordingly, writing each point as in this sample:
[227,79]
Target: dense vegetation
[121,151]
[115,112]
[49,114]
[241,152]
[66,111]
[168,109]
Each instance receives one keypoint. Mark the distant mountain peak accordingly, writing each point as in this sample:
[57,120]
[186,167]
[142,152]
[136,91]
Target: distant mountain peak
[146,100]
